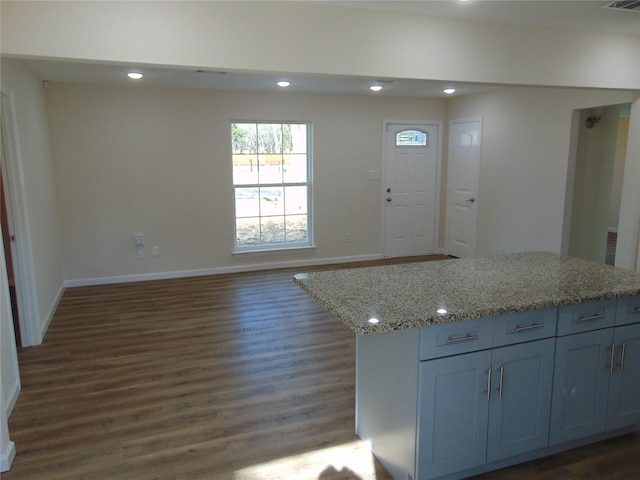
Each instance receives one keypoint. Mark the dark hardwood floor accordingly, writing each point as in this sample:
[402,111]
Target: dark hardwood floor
[236,377]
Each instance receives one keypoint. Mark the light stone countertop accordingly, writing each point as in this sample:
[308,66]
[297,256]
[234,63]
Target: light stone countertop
[409,295]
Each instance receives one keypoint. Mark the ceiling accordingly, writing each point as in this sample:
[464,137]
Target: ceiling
[573,14]
[584,15]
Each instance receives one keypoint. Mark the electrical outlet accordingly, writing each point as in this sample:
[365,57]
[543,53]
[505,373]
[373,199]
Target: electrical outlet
[155,251]
[140,253]
[347,237]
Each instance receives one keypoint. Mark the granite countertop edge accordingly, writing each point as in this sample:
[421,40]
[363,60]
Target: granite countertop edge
[352,310]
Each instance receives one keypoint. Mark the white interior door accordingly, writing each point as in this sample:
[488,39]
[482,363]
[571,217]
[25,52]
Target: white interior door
[462,190]
[411,189]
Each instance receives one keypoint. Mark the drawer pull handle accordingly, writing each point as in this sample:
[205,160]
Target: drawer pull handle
[533,326]
[468,338]
[593,317]
[636,309]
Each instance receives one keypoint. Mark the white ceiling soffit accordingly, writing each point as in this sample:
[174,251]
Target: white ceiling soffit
[585,15]
[116,74]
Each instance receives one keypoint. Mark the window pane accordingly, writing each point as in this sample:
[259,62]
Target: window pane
[270,168]
[271,201]
[298,138]
[245,169]
[272,230]
[295,168]
[297,229]
[295,200]
[269,135]
[247,202]
[248,232]
[244,137]
[411,138]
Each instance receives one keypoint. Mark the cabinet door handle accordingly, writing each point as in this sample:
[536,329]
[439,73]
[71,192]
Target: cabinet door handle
[489,384]
[533,326]
[636,309]
[501,385]
[624,345]
[612,362]
[468,338]
[593,317]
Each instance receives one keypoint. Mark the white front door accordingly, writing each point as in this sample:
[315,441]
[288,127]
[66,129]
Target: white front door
[462,190]
[410,189]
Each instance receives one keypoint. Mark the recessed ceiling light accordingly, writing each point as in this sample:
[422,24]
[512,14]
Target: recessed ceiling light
[449,91]
[283,83]
[135,75]
[375,88]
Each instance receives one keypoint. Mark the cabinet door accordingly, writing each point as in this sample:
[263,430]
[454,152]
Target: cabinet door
[520,404]
[580,385]
[624,386]
[453,414]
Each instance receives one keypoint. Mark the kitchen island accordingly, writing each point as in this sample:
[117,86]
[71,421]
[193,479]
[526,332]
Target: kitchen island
[469,365]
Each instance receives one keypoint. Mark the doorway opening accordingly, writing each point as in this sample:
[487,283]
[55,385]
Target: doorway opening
[599,142]
[7,238]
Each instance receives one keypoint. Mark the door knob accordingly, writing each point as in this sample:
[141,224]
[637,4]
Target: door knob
[388,199]
[470,200]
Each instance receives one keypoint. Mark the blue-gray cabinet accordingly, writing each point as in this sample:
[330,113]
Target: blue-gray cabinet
[520,404]
[457,399]
[483,406]
[624,383]
[580,387]
[597,372]
[453,413]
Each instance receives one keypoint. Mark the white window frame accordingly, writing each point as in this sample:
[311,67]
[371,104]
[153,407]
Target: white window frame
[276,247]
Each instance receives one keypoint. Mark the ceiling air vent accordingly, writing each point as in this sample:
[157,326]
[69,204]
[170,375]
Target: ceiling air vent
[624,5]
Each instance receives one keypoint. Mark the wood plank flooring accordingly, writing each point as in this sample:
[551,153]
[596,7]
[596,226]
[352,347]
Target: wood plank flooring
[230,377]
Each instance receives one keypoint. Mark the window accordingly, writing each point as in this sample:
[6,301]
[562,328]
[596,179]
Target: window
[412,138]
[272,185]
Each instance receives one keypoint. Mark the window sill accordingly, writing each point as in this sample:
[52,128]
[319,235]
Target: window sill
[272,250]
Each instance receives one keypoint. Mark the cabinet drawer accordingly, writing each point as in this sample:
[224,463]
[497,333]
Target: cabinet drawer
[586,316]
[455,338]
[628,310]
[524,326]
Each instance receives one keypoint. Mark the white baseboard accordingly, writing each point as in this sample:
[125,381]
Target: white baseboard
[7,456]
[52,311]
[218,270]
[12,397]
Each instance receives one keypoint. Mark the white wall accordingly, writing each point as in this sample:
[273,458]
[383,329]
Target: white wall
[311,38]
[524,161]
[618,167]
[158,161]
[596,152]
[9,373]
[38,200]
[628,247]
